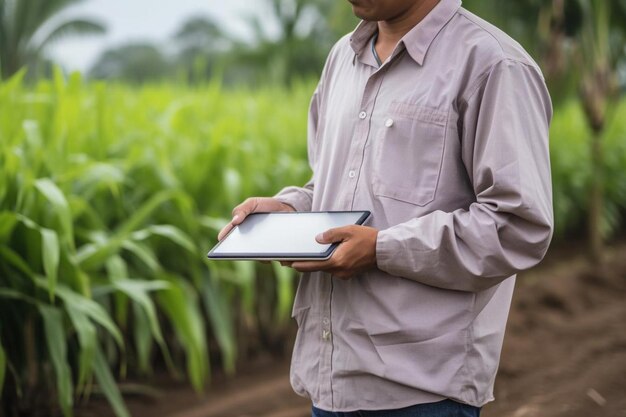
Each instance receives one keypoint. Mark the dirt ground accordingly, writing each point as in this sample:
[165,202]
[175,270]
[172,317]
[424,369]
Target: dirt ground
[564,355]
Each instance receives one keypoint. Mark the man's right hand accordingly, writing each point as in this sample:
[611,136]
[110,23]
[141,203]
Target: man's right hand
[253,205]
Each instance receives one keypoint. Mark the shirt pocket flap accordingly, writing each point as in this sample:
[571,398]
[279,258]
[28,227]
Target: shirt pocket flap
[417,112]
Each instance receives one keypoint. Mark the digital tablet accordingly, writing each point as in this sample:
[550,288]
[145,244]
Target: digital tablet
[284,236]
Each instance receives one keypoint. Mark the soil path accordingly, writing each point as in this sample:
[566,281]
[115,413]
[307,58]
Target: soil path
[564,355]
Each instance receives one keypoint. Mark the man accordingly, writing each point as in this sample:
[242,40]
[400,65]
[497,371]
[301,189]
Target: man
[437,122]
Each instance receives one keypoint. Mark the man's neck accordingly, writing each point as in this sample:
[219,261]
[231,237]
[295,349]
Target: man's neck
[391,31]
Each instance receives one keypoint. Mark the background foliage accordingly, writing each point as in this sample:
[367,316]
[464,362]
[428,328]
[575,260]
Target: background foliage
[111,192]
[110,197]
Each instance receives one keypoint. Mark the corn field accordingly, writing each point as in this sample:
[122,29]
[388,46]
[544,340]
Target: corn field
[110,197]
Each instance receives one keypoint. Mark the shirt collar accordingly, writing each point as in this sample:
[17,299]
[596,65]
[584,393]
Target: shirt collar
[417,40]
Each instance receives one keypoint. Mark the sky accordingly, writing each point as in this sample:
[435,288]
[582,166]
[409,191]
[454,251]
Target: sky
[144,20]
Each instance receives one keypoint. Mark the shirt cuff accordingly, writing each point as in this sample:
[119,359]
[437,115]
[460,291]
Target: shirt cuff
[398,253]
[296,197]
[386,248]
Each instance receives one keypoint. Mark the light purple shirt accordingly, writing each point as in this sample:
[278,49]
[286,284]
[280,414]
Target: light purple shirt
[447,145]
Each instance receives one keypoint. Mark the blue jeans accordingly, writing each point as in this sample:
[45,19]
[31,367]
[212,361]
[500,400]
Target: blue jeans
[445,408]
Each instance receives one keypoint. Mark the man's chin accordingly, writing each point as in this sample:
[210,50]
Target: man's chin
[362,15]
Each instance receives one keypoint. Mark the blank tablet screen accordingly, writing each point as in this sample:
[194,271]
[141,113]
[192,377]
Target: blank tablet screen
[283,235]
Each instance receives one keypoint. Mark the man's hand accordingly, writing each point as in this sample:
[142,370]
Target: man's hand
[253,205]
[356,252]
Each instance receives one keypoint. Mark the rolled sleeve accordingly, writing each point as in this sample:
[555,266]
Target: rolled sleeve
[300,198]
[509,226]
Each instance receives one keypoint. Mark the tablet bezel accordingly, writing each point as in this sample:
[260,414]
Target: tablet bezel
[315,256]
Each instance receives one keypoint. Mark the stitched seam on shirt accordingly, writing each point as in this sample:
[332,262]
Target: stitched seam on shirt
[469,342]
[332,343]
[443,152]
[479,83]
[484,29]
[439,31]
[505,56]
[418,112]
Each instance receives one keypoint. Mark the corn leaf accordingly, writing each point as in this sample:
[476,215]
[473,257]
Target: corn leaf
[167,231]
[116,268]
[55,196]
[214,223]
[137,290]
[87,338]
[51,254]
[144,253]
[15,260]
[179,304]
[245,277]
[284,290]
[232,185]
[92,256]
[13,83]
[218,311]
[101,174]
[142,213]
[57,349]
[3,367]
[143,338]
[90,308]
[7,223]
[107,384]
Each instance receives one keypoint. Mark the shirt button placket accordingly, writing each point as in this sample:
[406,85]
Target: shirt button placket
[352,172]
[326,329]
[326,353]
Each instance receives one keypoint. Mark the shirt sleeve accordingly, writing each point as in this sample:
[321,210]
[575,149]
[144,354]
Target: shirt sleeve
[301,198]
[509,226]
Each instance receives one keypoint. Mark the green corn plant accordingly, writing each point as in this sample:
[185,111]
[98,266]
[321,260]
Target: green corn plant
[110,197]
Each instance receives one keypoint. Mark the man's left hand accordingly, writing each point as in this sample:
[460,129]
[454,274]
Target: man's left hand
[356,252]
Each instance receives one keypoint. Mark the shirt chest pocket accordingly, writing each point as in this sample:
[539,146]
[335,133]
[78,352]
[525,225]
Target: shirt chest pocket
[408,153]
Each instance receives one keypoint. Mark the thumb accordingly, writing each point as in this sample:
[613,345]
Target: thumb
[337,234]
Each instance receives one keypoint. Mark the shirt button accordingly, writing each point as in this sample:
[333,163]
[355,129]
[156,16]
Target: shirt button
[362,115]
[389,122]
[351,174]
[325,320]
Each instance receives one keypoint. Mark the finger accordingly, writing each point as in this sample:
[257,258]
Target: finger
[224,231]
[338,234]
[312,266]
[242,210]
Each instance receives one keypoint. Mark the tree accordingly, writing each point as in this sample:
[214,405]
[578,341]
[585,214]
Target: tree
[584,45]
[200,42]
[26,29]
[201,33]
[298,46]
[138,63]
[598,91]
